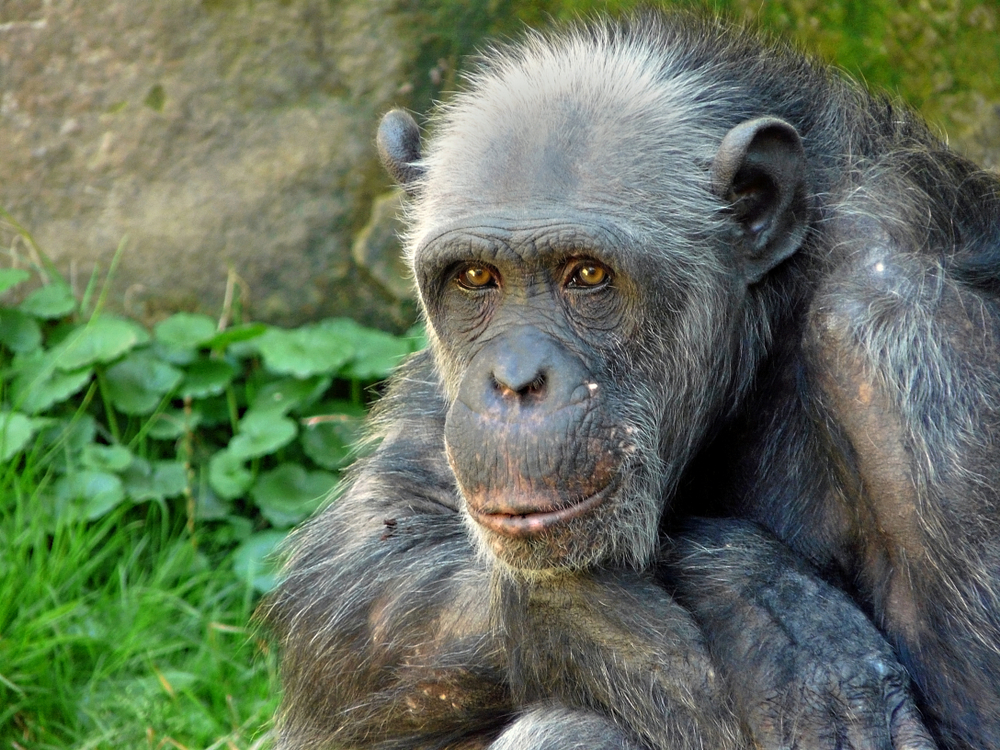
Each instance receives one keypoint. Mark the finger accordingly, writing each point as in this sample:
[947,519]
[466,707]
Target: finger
[863,727]
[908,730]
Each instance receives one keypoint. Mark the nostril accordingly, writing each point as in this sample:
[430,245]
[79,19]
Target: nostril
[505,391]
[533,390]
[536,387]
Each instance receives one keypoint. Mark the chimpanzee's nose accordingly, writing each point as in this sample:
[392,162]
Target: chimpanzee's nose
[523,369]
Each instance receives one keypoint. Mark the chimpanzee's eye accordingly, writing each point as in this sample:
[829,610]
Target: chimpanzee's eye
[476,277]
[589,274]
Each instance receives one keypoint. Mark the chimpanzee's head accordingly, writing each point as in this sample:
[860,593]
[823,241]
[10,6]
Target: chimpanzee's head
[588,221]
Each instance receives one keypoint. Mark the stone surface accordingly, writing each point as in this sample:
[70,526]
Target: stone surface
[977,134]
[376,248]
[213,135]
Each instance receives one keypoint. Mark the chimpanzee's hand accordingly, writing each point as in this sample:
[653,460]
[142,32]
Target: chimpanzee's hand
[614,643]
[806,666]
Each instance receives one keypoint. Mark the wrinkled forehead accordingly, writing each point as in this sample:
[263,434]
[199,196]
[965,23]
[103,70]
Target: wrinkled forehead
[580,125]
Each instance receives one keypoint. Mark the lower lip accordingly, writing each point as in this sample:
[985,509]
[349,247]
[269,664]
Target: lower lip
[532,524]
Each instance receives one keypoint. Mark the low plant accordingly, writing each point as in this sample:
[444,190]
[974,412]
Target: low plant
[245,425]
[145,478]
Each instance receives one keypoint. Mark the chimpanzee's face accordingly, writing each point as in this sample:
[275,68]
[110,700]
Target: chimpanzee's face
[583,256]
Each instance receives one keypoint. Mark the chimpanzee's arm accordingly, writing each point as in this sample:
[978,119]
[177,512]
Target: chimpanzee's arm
[382,618]
[805,666]
[904,363]
[384,622]
[615,642]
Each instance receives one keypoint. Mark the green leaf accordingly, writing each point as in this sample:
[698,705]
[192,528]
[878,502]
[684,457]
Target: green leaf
[15,432]
[328,438]
[214,411]
[290,494]
[261,433]
[376,353]
[102,340]
[158,480]
[48,302]
[38,384]
[11,277]
[172,354]
[207,377]
[71,435]
[306,351]
[416,335]
[91,494]
[19,332]
[112,458]
[210,507]
[185,330]
[251,560]
[228,476]
[235,335]
[66,439]
[137,384]
[289,393]
[172,423]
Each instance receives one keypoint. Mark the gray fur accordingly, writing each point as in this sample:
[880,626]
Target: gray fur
[545,728]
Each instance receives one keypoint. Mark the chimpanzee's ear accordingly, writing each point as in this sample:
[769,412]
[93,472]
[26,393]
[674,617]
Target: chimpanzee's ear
[399,148]
[760,170]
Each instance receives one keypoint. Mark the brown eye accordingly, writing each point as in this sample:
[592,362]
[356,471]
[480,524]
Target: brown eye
[589,275]
[476,277]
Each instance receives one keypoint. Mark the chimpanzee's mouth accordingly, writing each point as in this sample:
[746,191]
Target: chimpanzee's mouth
[531,523]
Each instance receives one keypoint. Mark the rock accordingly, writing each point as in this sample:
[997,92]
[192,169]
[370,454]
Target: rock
[377,247]
[218,136]
[206,136]
[978,132]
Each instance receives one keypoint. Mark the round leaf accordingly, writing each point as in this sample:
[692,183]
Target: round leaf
[15,432]
[51,301]
[71,435]
[207,377]
[304,351]
[172,423]
[38,384]
[289,393]
[91,493]
[137,384]
[210,507]
[251,560]
[235,335]
[327,439]
[214,411]
[101,340]
[290,494]
[416,335]
[261,433]
[19,332]
[11,277]
[66,439]
[172,354]
[228,476]
[154,481]
[376,353]
[113,458]
[185,330]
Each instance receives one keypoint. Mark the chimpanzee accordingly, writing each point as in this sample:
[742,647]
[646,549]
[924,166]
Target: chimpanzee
[705,452]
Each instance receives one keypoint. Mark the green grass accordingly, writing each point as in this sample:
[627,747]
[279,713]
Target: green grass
[145,477]
[120,634]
